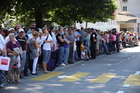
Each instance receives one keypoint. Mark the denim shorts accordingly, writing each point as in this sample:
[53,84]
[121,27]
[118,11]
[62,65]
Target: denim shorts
[46,56]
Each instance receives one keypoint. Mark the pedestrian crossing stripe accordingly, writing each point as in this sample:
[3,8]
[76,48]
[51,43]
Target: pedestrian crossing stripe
[133,80]
[74,77]
[103,78]
[47,76]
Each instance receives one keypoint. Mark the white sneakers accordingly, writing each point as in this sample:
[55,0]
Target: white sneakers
[1,86]
[63,64]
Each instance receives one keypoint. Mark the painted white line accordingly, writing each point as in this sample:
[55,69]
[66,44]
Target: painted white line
[120,92]
[120,62]
[137,73]
[126,85]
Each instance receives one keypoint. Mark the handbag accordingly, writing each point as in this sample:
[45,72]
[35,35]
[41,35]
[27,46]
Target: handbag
[44,42]
[4,63]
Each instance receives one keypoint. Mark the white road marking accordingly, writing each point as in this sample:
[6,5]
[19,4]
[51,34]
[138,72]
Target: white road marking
[120,92]
[137,73]
[126,85]
[120,62]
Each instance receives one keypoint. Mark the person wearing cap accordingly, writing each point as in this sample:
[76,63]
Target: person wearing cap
[18,26]
[23,42]
[11,32]
[64,30]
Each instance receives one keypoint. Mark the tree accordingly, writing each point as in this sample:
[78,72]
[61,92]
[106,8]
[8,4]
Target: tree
[63,12]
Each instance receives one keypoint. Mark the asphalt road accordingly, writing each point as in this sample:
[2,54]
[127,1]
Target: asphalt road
[115,73]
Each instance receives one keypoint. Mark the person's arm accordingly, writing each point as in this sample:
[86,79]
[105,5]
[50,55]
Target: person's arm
[67,41]
[60,38]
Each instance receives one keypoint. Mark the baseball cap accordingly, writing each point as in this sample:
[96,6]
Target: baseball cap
[21,30]
[11,29]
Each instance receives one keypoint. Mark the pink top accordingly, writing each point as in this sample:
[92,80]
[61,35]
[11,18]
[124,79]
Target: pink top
[106,37]
[110,37]
[113,38]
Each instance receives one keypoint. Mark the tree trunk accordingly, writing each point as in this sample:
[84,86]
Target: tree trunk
[86,25]
[38,17]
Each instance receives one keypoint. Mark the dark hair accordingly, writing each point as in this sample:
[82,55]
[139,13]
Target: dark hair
[5,32]
[82,28]
[43,25]
[52,27]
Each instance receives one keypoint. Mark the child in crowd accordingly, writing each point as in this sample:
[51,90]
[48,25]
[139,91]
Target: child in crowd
[83,52]
[15,70]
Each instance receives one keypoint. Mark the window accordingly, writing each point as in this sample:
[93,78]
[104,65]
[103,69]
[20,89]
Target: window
[124,8]
[124,1]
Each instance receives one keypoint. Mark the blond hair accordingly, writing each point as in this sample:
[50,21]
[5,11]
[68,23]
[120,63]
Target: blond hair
[36,33]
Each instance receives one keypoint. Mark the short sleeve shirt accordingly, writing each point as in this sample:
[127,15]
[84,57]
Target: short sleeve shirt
[58,41]
[10,45]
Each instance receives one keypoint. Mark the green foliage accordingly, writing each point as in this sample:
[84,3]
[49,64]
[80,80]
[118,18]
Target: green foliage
[62,12]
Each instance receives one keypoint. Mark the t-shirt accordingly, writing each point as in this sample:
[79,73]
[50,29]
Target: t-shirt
[10,45]
[46,46]
[58,41]
[66,45]
[2,42]
[22,42]
[113,37]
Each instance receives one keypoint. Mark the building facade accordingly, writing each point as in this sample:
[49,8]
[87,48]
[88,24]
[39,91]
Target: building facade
[132,23]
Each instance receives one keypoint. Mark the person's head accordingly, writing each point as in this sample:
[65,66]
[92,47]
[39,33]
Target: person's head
[33,24]
[74,28]
[11,37]
[21,32]
[18,26]
[43,26]
[36,34]
[44,30]
[70,30]
[11,30]
[66,34]
[114,33]
[52,29]
[33,29]
[4,32]
[98,31]
[82,29]
[64,29]
[60,30]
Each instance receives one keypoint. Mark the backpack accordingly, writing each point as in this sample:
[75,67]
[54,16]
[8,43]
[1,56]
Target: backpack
[51,65]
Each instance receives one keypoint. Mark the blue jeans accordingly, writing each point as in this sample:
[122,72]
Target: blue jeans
[105,48]
[46,56]
[75,55]
[0,77]
[66,54]
[61,54]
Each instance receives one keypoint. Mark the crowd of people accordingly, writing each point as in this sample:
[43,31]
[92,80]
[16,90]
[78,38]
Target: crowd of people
[32,48]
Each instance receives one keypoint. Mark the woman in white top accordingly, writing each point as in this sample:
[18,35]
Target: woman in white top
[46,48]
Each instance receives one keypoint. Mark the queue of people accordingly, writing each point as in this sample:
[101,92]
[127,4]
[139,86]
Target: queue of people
[63,45]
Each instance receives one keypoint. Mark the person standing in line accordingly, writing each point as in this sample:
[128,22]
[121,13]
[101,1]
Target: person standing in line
[71,38]
[46,48]
[66,48]
[4,33]
[93,41]
[60,41]
[18,26]
[78,44]
[33,45]
[54,52]
[2,53]
[23,42]
[11,31]
[33,25]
